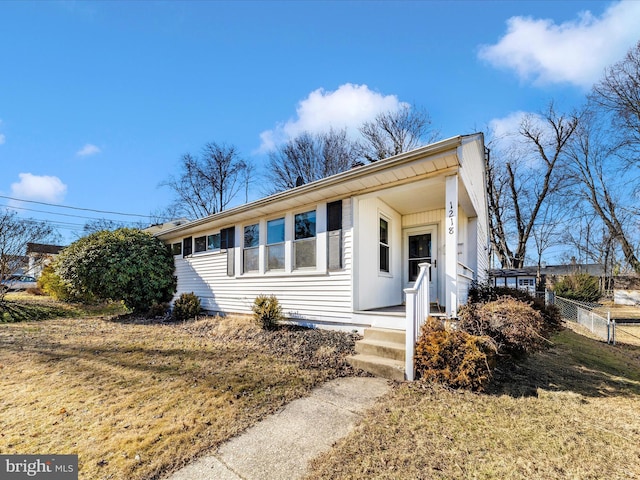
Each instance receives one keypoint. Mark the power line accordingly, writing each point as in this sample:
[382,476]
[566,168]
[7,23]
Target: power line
[77,208]
[50,213]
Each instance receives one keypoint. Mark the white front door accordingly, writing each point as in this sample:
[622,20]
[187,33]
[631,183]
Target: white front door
[420,246]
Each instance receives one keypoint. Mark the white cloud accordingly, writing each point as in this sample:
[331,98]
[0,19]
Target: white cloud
[574,52]
[39,187]
[508,126]
[347,107]
[2,138]
[87,150]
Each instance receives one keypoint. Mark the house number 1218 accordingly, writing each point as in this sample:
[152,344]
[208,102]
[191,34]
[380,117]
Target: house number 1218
[451,216]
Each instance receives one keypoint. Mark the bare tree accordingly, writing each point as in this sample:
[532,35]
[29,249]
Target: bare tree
[395,132]
[619,94]
[548,229]
[208,183]
[596,165]
[247,178]
[15,233]
[309,157]
[523,178]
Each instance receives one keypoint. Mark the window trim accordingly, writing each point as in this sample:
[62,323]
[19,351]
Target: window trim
[282,243]
[299,241]
[251,248]
[386,245]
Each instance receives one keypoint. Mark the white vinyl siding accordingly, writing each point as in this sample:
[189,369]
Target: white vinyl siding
[314,296]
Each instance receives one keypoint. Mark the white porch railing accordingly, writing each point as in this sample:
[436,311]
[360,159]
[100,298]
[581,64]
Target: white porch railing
[417,301]
[466,276]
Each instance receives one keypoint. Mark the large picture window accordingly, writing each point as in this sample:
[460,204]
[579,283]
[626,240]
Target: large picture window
[384,245]
[275,244]
[251,252]
[304,244]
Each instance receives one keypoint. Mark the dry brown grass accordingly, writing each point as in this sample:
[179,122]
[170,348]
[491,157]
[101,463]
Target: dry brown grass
[567,413]
[136,401]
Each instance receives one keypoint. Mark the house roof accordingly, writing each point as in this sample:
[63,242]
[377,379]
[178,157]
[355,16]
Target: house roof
[403,168]
[531,271]
[43,248]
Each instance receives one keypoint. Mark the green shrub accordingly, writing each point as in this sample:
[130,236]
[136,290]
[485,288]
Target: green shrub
[267,311]
[54,286]
[515,326]
[126,264]
[581,286]
[159,309]
[453,357]
[187,306]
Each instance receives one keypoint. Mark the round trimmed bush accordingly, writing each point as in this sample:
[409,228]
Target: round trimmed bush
[187,306]
[267,311]
[126,264]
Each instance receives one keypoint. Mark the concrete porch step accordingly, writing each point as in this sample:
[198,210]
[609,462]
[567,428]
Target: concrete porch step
[378,366]
[381,352]
[385,335]
[381,348]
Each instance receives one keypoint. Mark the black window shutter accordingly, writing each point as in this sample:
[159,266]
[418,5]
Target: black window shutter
[227,238]
[187,247]
[334,216]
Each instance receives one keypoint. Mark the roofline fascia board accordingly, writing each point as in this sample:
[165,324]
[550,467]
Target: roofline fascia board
[428,150]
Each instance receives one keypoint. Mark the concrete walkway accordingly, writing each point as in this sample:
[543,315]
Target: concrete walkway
[281,445]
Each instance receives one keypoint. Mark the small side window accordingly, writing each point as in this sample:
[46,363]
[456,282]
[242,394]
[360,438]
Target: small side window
[384,245]
[176,248]
[251,251]
[200,244]
[213,242]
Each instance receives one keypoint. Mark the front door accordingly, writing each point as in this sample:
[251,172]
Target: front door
[420,247]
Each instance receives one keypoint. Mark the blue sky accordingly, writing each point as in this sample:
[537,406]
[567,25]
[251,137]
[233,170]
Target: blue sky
[99,100]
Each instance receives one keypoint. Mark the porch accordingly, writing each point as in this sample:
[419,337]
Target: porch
[388,346]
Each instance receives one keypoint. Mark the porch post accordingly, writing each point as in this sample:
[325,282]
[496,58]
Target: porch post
[451,245]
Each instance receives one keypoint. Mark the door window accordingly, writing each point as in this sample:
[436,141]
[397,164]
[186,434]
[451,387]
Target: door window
[419,252]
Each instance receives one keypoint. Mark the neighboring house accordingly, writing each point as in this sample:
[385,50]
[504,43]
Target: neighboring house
[525,278]
[520,278]
[39,256]
[340,252]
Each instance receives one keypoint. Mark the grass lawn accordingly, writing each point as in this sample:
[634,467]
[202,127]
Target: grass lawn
[571,412]
[137,400]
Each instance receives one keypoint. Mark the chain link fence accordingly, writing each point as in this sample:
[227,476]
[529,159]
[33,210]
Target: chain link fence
[583,314]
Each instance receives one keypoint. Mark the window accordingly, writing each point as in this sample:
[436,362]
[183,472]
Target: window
[384,245]
[304,244]
[275,244]
[251,252]
[334,235]
[176,248]
[200,244]
[187,246]
[213,242]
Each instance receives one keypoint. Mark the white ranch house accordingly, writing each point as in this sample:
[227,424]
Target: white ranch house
[380,246]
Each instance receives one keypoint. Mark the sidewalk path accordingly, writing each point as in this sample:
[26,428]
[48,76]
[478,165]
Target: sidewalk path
[281,445]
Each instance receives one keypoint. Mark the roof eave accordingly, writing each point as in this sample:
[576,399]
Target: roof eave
[354,173]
